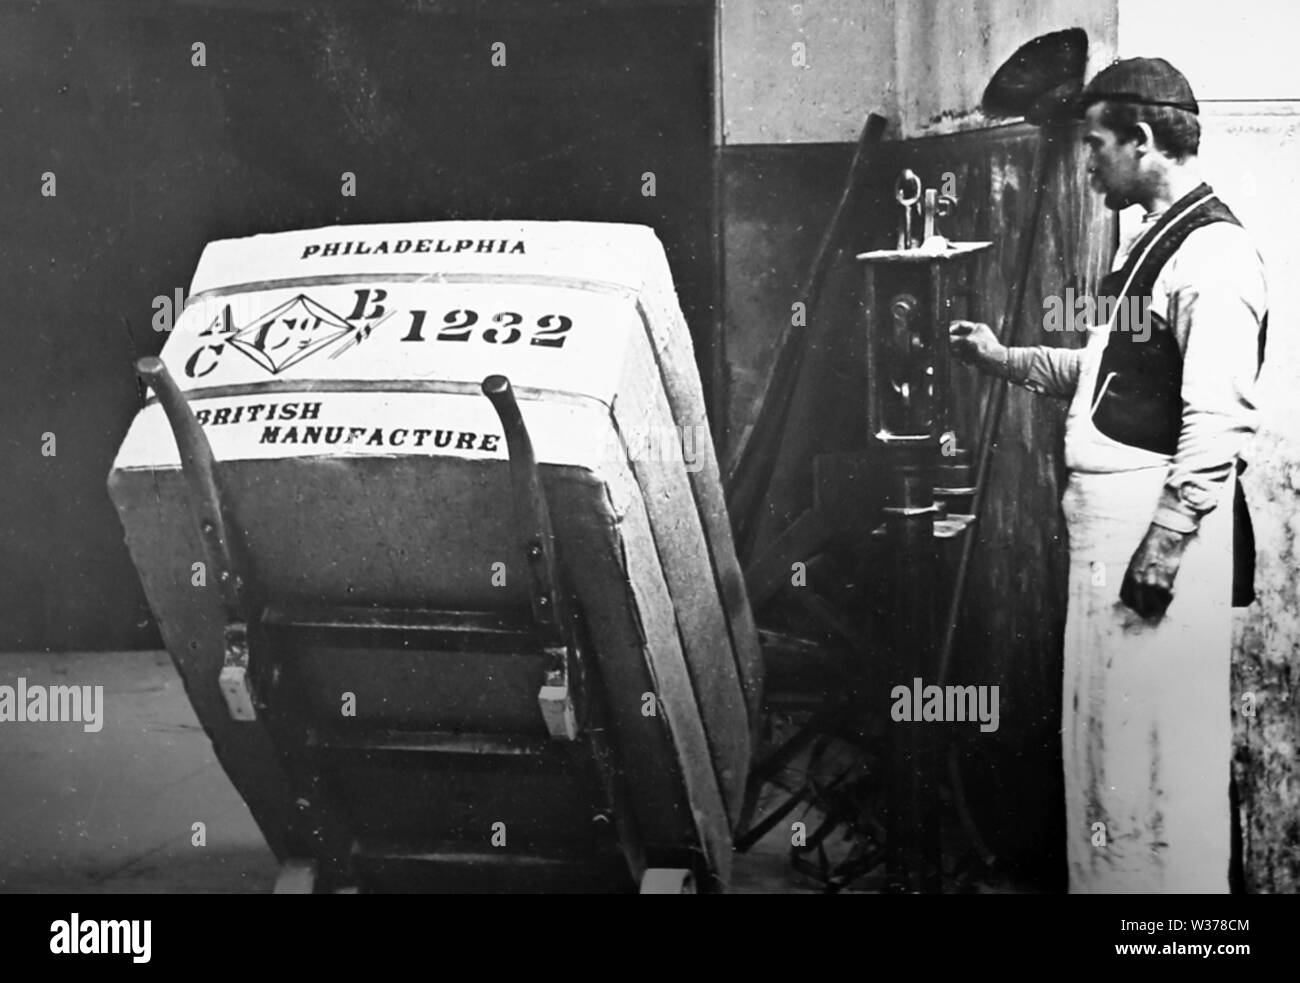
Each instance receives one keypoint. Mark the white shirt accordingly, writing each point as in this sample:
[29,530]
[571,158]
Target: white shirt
[1213,294]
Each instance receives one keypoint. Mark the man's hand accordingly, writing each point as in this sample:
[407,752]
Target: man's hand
[977,345]
[1149,581]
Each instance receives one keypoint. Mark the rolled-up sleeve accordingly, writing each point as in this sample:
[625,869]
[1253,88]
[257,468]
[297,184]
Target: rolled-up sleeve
[1046,370]
[1217,300]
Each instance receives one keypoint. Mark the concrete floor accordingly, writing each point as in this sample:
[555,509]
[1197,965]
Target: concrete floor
[114,812]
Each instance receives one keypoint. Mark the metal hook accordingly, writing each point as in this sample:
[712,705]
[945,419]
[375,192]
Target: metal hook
[907,199]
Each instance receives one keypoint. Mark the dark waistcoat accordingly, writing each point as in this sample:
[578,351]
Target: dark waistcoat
[1138,394]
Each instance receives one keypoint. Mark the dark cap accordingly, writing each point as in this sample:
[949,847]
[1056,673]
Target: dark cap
[1145,81]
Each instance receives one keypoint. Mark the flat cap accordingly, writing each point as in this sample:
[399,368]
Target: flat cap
[1145,81]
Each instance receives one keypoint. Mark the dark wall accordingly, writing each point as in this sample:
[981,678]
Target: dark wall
[154,157]
[776,201]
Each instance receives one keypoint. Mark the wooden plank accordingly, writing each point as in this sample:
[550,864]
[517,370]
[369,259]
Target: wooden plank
[645,417]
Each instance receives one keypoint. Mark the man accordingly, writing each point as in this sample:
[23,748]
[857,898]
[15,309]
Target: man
[1161,406]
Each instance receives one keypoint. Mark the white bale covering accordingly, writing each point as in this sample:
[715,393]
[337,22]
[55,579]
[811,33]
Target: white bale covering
[300,350]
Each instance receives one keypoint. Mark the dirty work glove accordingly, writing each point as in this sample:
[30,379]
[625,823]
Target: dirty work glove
[1148,585]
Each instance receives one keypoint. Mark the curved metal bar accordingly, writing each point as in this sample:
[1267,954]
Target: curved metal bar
[532,515]
[205,497]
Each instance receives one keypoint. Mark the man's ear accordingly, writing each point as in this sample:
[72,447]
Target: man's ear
[1144,140]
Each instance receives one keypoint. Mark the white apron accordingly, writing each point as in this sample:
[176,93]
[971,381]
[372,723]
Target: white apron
[1146,720]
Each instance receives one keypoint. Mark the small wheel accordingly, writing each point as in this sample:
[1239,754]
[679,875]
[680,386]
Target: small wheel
[297,876]
[667,880]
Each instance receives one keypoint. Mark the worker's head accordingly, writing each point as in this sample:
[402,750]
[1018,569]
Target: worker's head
[1140,119]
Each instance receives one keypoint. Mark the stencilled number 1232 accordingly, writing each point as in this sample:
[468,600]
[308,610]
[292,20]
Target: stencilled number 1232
[503,328]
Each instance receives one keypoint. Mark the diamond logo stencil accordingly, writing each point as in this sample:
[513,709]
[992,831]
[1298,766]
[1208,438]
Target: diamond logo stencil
[290,333]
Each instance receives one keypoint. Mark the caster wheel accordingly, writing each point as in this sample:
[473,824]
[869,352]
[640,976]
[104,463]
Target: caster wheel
[296,877]
[667,880]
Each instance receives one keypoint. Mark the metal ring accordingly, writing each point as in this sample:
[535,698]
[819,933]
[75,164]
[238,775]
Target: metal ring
[907,177]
